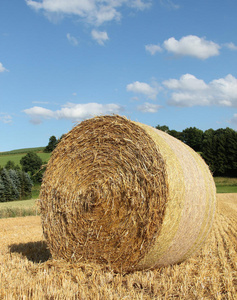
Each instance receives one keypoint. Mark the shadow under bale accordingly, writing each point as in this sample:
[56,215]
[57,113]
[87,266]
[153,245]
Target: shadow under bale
[37,252]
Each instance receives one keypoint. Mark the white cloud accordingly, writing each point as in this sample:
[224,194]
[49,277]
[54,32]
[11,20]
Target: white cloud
[186,82]
[72,111]
[5,118]
[72,39]
[148,107]
[153,48]
[99,36]
[2,69]
[169,4]
[143,88]
[38,113]
[95,12]
[231,46]
[192,45]
[191,91]
[225,89]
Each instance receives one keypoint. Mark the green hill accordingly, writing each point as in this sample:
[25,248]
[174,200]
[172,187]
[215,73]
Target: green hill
[16,155]
[23,151]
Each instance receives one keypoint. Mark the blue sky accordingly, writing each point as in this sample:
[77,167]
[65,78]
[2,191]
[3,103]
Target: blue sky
[165,62]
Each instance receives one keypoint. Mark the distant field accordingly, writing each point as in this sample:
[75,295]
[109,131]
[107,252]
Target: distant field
[18,204]
[21,208]
[226,184]
[18,208]
[24,150]
[226,189]
[16,157]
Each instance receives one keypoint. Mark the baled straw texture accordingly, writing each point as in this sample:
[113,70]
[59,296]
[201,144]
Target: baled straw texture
[125,194]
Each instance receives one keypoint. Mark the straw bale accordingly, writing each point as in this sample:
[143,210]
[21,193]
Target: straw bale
[125,194]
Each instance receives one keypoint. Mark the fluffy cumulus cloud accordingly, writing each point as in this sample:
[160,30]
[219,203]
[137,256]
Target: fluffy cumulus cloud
[192,45]
[99,36]
[95,12]
[2,69]
[138,87]
[148,107]
[72,111]
[186,82]
[191,91]
[153,49]
[72,40]
[5,118]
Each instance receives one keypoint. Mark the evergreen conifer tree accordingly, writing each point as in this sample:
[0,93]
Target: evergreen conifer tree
[208,149]
[15,184]
[231,151]
[2,195]
[7,182]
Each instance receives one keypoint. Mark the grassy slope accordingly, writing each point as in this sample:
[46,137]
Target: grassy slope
[226,185]
[16,157]
[23,150]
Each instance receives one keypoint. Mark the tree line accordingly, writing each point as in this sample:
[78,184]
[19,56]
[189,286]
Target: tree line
[217,147]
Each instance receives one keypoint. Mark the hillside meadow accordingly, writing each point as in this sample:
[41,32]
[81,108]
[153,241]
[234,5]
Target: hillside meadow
[27,270]
[16,157]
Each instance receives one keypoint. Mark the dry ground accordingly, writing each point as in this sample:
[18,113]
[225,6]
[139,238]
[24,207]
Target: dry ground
[28,272]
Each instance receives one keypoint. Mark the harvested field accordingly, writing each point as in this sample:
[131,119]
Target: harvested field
[28,272]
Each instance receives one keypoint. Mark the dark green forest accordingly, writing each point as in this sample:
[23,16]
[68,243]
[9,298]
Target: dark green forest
[217,147]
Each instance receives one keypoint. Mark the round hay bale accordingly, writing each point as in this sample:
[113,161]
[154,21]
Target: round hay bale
[125,194]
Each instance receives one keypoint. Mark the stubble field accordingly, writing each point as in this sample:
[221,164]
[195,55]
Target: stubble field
[28,272]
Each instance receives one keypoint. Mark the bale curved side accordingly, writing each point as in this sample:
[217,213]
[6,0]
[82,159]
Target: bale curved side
[126,194]
[191,205]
